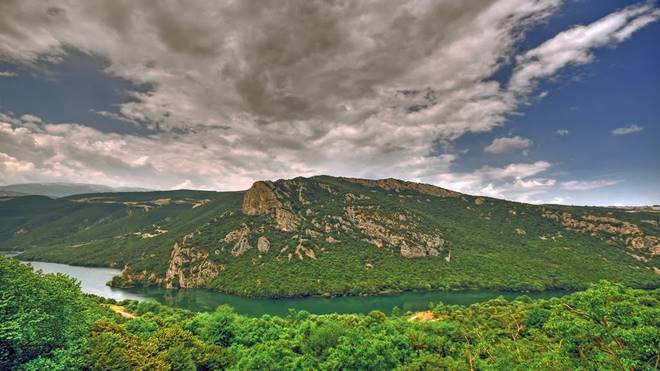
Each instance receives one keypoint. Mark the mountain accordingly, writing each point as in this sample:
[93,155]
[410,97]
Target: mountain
[336,236]
[4,193]
[56,190]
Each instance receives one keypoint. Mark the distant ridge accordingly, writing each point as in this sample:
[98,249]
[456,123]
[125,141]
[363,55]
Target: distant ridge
[57,190]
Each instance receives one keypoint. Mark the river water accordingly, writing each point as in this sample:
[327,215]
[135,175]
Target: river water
[93,281]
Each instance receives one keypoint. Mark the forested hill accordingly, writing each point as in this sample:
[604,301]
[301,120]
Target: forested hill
[336,236]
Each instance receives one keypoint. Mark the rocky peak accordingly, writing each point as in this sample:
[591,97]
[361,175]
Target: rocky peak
[260,199]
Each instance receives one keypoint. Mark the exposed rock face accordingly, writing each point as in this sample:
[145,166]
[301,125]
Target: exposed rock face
[648,243]
[396,185]
[479,201]
[263,245]
[240,238]
[592,223]
[189,267]
[261,199]
[630,233]
[286,220]
[412,251]
[302,250]
[352,197]
[301,196]
[394,229]
[129,277]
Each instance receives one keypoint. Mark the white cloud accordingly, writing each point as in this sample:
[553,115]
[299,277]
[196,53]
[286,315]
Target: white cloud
[562,132]
[11,165]
[514,181]
[627,130]
[31,118]
[585,185]
[7,74]
[575,46]
[505,145]
[558,200]
[517,170]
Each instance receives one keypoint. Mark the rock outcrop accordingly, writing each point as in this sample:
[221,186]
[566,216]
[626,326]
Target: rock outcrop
[240,239]
[189,267]
[650,244]
[263,245]
[629,233]
[395,230]
[261,199]
[302,250]
[592,223]
[131,278]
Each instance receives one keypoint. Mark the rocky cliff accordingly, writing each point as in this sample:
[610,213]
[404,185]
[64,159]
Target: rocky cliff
[261,199]
[189,266]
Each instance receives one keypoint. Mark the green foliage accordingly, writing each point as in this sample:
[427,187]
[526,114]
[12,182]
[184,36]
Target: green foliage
[217,327]
[608,326]
[41,316]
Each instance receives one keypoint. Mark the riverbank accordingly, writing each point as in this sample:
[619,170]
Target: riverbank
[93,281]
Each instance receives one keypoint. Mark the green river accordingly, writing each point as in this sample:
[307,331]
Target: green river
[93,281]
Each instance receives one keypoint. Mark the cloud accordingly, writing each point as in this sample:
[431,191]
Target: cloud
[12,165]
[251,90]
[585,185]
[505,145]
[515,181]
[7,74]
[562,132]
[627,130]
[575,46]
[558,200]
[75,153]
[31,118]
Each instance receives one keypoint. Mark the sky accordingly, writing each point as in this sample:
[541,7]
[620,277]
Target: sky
[540,101]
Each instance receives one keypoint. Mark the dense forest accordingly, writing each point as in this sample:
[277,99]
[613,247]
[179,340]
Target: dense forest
[47,323]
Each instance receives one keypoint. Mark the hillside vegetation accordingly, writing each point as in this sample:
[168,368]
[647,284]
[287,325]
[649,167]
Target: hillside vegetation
[46,323]
[336,236]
